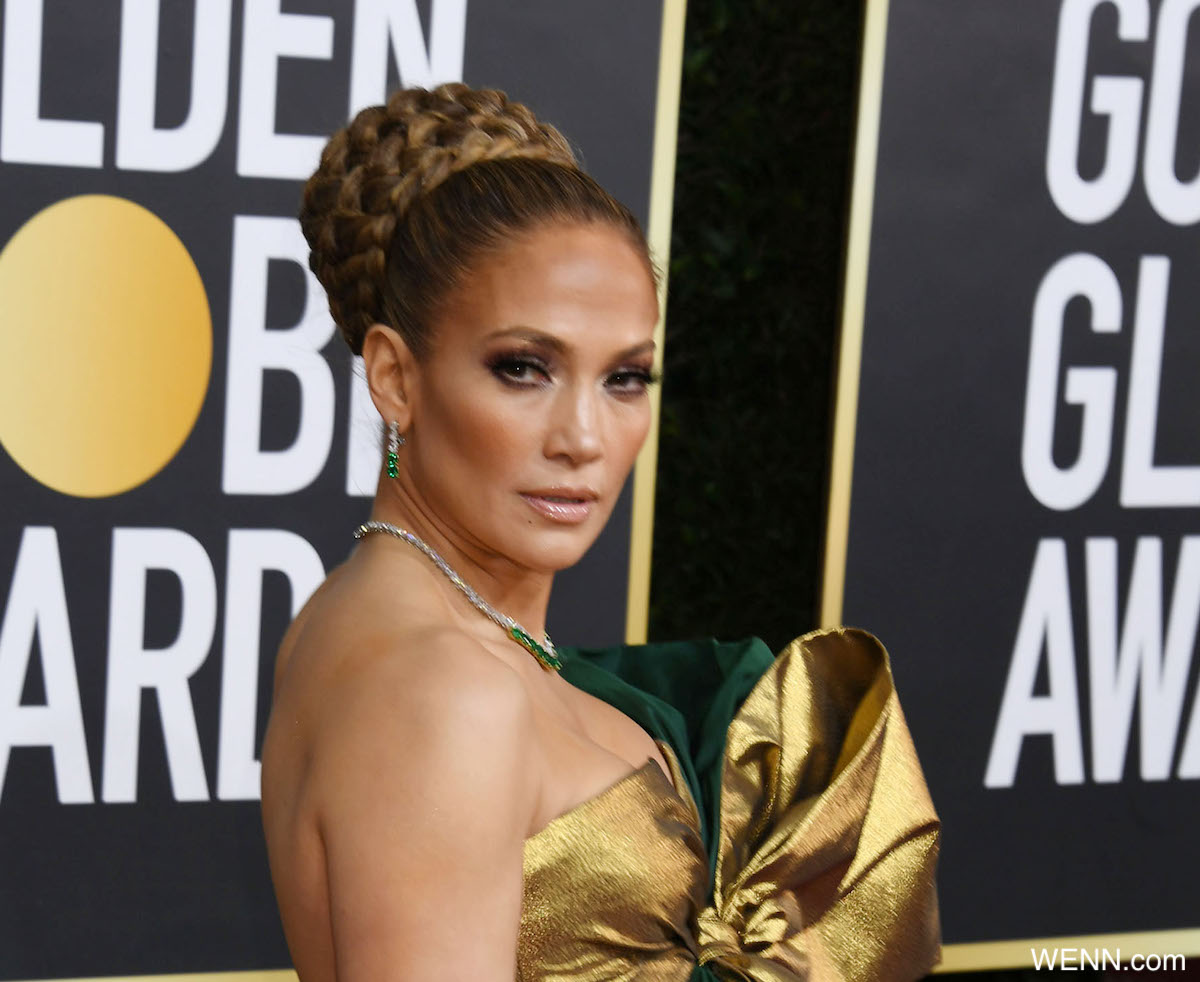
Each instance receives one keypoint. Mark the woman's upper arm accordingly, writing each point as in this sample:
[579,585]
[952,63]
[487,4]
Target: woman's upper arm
[425,797]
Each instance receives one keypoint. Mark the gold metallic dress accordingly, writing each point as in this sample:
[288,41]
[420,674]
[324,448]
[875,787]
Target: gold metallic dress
[794,840]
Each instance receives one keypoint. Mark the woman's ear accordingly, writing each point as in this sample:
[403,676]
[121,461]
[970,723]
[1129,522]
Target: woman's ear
[391,373]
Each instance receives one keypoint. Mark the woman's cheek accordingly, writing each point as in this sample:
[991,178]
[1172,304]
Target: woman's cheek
[486,430]
[638,431]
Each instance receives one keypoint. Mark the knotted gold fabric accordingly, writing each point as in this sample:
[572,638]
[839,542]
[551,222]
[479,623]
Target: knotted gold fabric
[826,846]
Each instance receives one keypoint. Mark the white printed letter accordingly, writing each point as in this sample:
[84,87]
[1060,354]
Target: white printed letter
[1175,200]
[141,145]
[1115,671]
[26,138]
[253,349]
[1144,485]
[251,553]
[377,20]
[1077,275]
[362,434]
[133,667]
[269,34]
[1045,622]
[1119,99]
[37,606]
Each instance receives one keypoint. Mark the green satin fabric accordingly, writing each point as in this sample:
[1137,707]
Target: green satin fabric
[684,692]
[801,844]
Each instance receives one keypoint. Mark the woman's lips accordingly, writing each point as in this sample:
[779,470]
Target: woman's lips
[566,510]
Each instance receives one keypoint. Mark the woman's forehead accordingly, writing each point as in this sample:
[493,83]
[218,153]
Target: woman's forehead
[571,283]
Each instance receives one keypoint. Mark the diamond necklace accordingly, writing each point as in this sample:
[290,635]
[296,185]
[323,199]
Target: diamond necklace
[547,654]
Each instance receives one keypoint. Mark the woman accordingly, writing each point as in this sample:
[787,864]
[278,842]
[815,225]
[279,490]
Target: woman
[443,797]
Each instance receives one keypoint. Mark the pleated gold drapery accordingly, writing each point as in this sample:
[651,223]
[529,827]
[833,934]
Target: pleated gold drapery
[824,850]
[828,839]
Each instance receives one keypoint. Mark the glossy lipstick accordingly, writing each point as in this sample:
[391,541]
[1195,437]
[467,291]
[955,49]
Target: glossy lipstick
[569,506]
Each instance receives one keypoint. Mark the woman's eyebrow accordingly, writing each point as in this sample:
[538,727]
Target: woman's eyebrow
[557,344]
[638,349]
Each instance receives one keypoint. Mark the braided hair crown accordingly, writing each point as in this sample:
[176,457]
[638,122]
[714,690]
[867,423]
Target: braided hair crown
[378,168]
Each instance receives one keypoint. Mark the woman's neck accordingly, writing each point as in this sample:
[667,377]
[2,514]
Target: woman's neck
[518,592]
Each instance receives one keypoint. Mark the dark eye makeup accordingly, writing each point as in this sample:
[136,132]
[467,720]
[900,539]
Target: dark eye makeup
[634,379]
[518,370]
[523,370]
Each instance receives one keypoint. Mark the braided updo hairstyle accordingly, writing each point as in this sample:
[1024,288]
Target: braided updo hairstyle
[411,193]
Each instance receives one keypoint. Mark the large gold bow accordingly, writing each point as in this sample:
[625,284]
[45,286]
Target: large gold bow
[828,840]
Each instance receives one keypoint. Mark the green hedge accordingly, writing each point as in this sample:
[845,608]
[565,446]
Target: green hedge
[761,195]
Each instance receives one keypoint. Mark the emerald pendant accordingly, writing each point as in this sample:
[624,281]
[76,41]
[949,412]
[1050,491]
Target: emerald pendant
[551,663]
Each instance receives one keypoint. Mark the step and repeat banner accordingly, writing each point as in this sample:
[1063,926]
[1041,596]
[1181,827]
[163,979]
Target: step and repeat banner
[186,443]
[1016,494]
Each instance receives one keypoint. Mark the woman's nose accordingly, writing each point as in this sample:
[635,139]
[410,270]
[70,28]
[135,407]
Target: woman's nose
[574,430]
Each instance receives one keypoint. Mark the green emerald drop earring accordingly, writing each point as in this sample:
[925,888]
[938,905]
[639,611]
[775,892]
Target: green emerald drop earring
[395,442]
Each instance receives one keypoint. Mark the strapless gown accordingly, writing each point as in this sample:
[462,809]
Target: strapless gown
[794,840]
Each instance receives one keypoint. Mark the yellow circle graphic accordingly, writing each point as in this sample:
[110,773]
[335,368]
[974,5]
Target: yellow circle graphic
[105,345]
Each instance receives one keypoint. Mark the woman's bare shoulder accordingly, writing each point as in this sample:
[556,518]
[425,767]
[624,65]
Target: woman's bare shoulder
[355,666]
[408,748]
[423,799]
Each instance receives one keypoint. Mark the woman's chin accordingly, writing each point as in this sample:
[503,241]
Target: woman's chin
[550,553]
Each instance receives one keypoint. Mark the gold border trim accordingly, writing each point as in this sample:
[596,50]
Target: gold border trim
[662,196]
[854,298]
[265,975]
[980,955]
[976,956]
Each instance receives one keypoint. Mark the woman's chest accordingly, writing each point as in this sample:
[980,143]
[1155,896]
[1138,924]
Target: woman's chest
[584,747]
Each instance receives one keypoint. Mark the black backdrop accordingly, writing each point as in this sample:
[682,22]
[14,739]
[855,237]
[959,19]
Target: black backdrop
[746,440]
[946,521]
[125,880]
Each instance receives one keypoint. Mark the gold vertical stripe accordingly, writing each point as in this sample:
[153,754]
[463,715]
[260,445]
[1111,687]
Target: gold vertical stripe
[662,194]
[854,297]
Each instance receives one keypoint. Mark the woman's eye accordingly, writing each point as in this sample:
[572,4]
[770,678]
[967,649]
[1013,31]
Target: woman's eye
[633,380]
[518,371]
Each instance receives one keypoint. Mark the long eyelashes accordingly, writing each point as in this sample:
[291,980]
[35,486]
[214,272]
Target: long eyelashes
[641,377]
[526,371]
[522,372]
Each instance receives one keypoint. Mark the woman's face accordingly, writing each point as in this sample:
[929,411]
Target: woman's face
[533,401]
